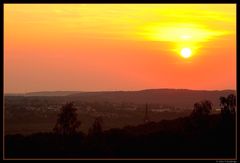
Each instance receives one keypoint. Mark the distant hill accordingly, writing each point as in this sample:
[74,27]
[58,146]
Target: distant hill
[172,97]
[13,94]
[182,98]
[51,93]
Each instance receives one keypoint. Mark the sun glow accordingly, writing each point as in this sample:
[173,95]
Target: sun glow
[185,38]
[186,52]
[176,32]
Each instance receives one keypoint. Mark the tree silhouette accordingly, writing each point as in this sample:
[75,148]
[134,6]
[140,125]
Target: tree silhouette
[232,102]
[228,104]
[202,108]
[96,137]
[96,128]
[67,123]
[199,115]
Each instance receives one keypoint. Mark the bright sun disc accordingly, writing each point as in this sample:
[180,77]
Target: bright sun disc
[186,52]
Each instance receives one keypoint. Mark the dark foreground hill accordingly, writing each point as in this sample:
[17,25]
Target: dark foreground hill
[210,137]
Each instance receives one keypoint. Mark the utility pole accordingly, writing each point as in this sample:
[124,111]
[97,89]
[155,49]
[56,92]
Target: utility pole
[146,119]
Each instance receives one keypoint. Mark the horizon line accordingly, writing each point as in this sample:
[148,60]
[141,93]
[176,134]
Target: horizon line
[119,90]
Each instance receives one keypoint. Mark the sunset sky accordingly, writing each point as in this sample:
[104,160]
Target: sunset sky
[94,47]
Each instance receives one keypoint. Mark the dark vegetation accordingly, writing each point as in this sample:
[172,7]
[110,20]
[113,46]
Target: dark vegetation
[38,111]
[200,135]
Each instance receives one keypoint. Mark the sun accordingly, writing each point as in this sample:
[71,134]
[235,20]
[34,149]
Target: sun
[186,52]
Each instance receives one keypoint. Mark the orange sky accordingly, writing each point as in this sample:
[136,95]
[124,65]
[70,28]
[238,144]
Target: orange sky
[88,47]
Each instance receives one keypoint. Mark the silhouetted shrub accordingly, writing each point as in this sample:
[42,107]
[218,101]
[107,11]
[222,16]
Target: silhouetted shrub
[67,122]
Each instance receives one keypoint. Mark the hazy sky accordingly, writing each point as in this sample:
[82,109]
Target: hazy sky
[90,47]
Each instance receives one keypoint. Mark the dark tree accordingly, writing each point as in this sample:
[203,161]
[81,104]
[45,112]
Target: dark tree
[224,106]
[228,104]
[202,108]
[199,115]
[96,128]
[96,141]
[232,102]
[67,122]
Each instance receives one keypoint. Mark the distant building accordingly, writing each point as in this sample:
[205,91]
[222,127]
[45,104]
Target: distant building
[90,109]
